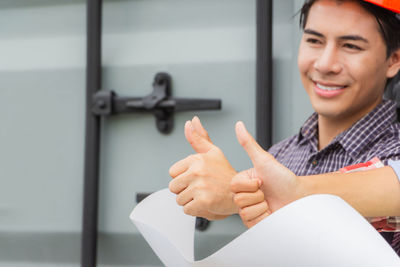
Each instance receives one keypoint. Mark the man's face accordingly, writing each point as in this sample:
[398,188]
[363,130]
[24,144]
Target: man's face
[342,60]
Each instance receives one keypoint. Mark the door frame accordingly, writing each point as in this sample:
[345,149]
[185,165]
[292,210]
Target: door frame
[92,130]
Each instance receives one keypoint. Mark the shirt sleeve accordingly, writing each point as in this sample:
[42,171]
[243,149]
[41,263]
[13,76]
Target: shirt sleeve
[381,224]
[395,164]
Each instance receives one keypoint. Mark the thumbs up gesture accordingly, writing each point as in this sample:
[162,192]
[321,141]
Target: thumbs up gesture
[266,187]
[249,198]
[202,180]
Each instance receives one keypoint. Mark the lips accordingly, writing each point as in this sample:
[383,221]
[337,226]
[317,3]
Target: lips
[328,90]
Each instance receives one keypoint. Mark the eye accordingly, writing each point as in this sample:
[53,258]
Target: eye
[312,41]
[352,46]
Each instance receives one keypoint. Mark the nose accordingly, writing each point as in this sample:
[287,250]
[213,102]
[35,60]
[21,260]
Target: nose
[328,61]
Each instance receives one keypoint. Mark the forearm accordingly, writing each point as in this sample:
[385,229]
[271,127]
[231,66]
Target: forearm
[373,193]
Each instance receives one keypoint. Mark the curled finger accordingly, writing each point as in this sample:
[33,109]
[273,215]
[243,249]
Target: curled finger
[180,183]
[245,199]
[185,196]
[244,182]
[180,166]
[253,222]
[252,212]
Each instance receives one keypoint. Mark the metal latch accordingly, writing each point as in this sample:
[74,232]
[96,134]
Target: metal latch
[159,101]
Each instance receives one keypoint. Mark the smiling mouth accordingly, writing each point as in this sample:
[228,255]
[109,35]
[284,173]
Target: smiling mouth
[328,91]
[329,88]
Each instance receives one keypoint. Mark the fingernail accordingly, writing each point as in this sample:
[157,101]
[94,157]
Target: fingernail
[259,182]
[190,125]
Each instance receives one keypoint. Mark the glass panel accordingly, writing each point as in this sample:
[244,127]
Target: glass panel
[42,74]
[208,47]
[291,105]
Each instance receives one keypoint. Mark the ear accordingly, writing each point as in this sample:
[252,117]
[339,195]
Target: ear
[394,64]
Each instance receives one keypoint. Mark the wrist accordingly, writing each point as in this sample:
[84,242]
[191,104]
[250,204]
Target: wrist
[305,187]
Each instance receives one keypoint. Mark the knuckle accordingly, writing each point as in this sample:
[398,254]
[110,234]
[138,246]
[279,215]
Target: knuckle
[204,201]
[259,195]
[250,224]
[200,185]
[198,172]
[200,159]
[171,171]
[197,167]
[238,199]
[244,215]
[188,210]
[256,184]
[179,200]
[191,159]
[253,185]
[172,187]
[234,186]
[265,205]
[195,157]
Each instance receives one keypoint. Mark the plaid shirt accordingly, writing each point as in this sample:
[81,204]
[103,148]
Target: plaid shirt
[377,134]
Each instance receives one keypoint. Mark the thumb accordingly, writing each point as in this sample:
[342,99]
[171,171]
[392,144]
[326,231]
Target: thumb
[256,153]
[198,127]
[199,143]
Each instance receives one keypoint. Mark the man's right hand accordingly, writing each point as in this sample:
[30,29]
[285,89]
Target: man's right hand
[202,181]
[279,185]
[249,198]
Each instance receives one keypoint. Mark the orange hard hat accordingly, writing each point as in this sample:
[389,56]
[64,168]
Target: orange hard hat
[393,5]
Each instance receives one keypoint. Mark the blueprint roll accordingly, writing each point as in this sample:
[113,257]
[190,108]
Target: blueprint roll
[317,230]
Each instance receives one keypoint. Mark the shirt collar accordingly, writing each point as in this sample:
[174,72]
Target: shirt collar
[309,132]
[359,135]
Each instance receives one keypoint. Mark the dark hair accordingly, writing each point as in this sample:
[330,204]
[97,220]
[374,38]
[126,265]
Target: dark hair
[388,21]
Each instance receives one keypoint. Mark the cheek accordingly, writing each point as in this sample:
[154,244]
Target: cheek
[300,64]
[371,75]
[368,67]
[304,60]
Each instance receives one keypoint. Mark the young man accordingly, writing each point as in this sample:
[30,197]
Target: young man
[269,186]
[346,56]
[348,52]
[309,152]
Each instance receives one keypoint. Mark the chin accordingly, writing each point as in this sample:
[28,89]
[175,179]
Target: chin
[327,111]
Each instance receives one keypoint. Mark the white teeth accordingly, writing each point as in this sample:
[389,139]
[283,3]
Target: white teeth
[329,88]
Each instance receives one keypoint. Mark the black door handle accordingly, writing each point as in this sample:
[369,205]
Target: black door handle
[160,102]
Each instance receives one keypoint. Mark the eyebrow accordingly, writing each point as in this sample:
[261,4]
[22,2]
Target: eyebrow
[345,37]
[354,38]
[312,32]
